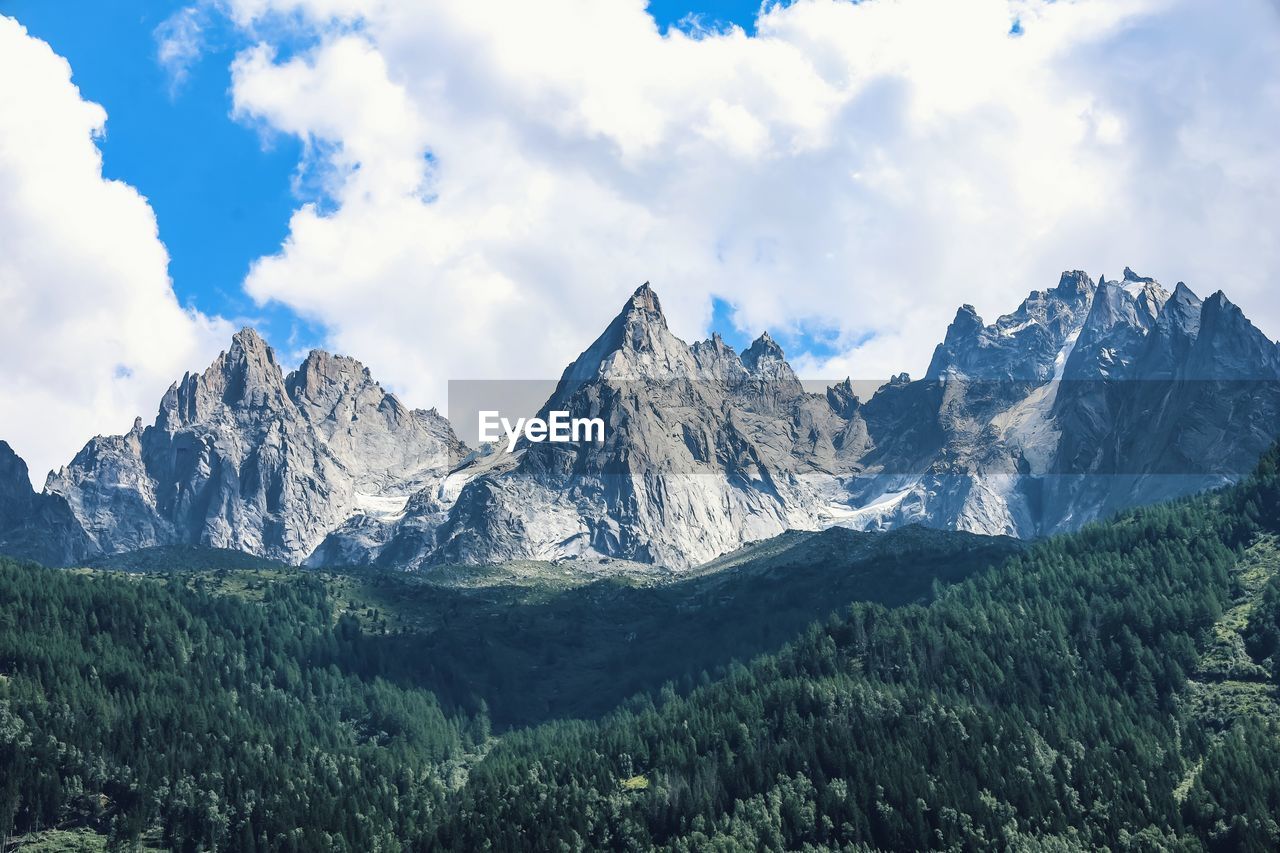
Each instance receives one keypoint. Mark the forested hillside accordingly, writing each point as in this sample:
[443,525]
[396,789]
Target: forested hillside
[541,646]
[1040,706]
[1116,687]
[144,709]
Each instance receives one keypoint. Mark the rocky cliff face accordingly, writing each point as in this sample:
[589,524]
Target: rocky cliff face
[703,449]
[1084,400]
[35,526]
[1173,395]
[242,456]
[1112,396]
[16,494]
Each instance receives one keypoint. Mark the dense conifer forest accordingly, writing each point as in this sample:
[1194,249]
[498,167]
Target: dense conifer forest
[201,722]
[1055,703]
[1115,688]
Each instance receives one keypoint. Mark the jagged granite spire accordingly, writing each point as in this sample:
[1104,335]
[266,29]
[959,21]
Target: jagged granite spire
[242,456]
[703,450]
[636,344]
[765,360]
[1130,275]
[246,374]
[1227,343]
[1121,316]
[844,402]
[717,360]
[1025,345]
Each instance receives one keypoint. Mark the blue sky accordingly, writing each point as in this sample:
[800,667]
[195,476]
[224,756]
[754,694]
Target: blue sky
[222,191]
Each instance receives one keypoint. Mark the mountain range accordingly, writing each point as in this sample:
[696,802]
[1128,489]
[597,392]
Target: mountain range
[1088,398]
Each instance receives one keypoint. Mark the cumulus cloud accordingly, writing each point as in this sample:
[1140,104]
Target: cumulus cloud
[90,331]
[494,178]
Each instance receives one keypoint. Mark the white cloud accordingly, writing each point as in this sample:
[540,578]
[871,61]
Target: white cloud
[90,331]
[180,42]
[501,175]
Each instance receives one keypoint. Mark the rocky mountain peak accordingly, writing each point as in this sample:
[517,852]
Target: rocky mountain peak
[249,366]
[323,380]
[1227,343]
[763,347]
[1074,283]
[640,320]
[253,358]
[16,493]
[1028,344]
[344,369]
[645,300]
[1130,275]
[242,456]
[1149,296]
[1182,310]
[337,395]
[966,324]
[1151,299]
[1218,303]
[963,331]
[844,402]
[9,460]
[717,360]
[248,340]
[1120,317]
[245,377]
[764,359]
[636,344]
[1172,336]
[643,320]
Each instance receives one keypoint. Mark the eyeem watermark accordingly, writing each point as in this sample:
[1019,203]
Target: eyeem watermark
[557,427]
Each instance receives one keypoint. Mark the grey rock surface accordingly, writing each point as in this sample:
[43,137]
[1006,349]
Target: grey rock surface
[1086,399]
[243,456]
[32,525]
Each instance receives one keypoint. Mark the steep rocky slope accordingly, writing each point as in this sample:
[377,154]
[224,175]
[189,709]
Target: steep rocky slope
[32,525]
[243,456]
[1086,399]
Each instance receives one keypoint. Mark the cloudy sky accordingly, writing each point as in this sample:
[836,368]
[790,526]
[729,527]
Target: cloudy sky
[470,190]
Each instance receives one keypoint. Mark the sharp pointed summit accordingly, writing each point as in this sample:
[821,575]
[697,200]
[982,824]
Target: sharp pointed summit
[1028,344]
[643,308]
[764,359]
[1228,343]
[1130,275]
[637,343]
[645,297]
[762,347]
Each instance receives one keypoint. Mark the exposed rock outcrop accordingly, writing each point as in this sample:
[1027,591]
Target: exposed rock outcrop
[242,456]
[1084,400]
